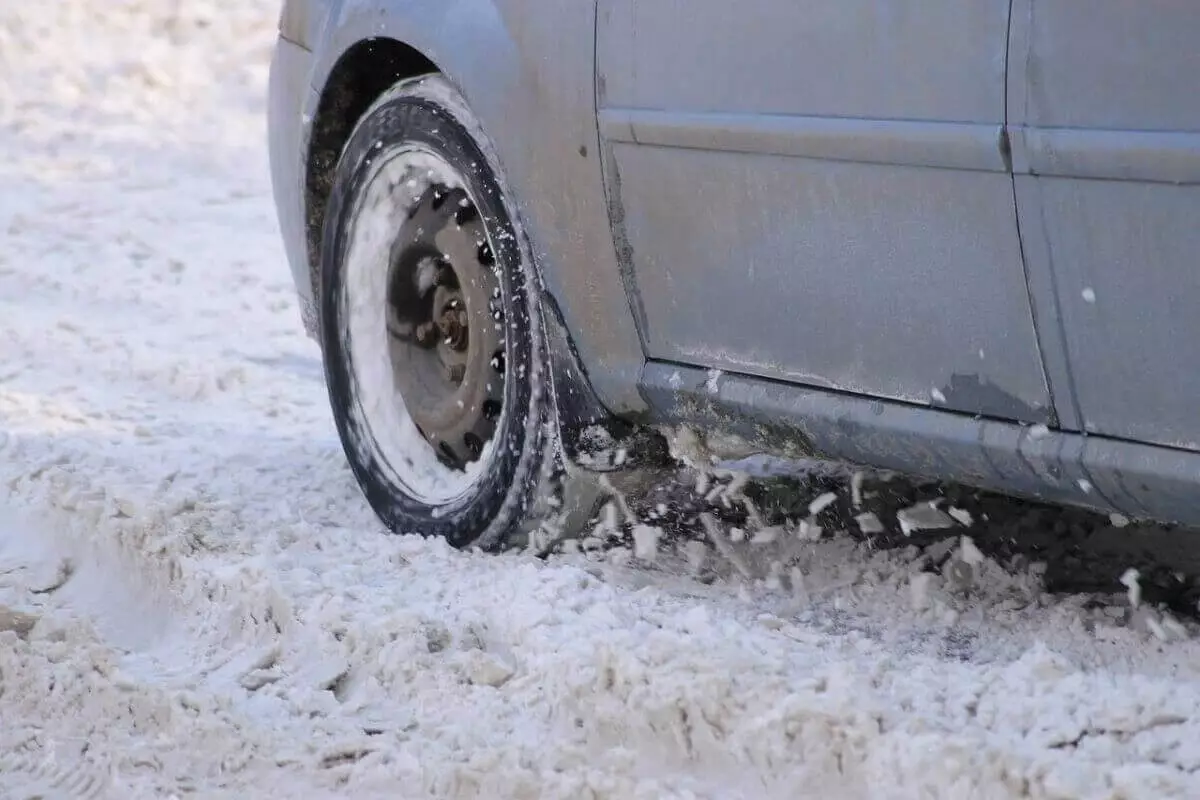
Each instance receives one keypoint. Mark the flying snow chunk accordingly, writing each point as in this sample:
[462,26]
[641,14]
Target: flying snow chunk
[696,554]
[923,517]
[766,535]
[856,487]
[1129,579]
[969,552]
[937,395]
[869,523]
[821,503]
[645,542]
[1089,295]
[808,531]
[962,515]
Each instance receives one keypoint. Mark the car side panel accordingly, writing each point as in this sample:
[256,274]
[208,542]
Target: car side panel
[289,93]
[1106,150]
[526,67]
[818,193]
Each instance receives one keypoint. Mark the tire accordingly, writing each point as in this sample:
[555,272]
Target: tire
[431,328]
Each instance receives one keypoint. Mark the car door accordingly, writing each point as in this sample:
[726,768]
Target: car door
[819,192]
[1106,144]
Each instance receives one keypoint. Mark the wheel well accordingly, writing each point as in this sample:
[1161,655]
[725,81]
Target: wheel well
[361,75]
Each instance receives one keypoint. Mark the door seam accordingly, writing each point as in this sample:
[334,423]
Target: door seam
[1006,152]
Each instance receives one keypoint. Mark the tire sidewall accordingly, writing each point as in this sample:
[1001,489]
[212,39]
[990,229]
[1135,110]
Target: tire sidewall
[428,113]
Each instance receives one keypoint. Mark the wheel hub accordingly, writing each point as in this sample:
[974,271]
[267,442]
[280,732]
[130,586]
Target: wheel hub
[453,323]
[445,325]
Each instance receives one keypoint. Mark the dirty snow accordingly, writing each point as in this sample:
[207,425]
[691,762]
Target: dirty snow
[195,600]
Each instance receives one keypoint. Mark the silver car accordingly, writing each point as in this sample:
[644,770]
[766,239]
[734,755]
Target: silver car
[954,239]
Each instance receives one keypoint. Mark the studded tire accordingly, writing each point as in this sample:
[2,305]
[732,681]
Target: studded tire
[376,218]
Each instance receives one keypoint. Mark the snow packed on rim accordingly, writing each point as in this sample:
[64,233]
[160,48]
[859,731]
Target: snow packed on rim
[196,601]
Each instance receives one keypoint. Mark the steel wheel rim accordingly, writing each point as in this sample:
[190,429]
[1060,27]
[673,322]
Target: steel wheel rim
[422,300]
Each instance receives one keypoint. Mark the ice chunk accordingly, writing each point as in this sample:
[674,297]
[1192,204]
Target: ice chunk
[645,542]
[922,517]
[962,515]
[969,553]
[484,669]
[869,523]
[766,535]
[821,503]
[856,484]
[808,531]
[1129,579]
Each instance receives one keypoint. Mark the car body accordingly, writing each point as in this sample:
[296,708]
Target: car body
[956,240]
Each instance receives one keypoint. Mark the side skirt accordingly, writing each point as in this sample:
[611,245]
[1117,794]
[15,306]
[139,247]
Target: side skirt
[1137,480]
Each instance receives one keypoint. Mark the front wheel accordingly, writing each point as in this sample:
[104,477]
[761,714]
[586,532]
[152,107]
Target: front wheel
[434,351]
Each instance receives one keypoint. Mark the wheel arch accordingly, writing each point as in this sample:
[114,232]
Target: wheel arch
[526,69]
[359,76]
[374,44]
[370,45]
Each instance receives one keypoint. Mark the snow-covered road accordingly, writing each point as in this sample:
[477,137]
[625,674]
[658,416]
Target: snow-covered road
[195,601]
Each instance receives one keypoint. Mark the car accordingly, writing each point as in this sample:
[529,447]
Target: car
[540,239]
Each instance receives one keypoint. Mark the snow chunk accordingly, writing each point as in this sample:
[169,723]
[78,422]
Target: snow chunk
[1039,431]
[1130,580]
[869,523]
[766,535]
[645,542]
[808,531]
[696,554]
[962,516]
[18,622]
[923,516]
[484,669]
[856,487]
[969,552]
[922,589]
[821,503]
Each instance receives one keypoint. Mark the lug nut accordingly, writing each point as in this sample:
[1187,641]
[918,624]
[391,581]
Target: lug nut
[427,333]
